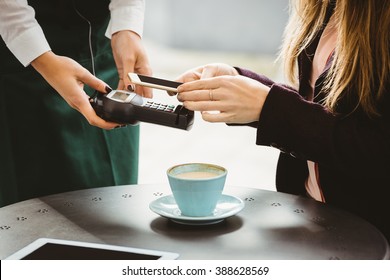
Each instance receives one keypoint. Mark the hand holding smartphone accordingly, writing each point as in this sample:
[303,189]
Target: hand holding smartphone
[152,82]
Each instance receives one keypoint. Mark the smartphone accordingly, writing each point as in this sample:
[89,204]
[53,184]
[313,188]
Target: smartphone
[152,82]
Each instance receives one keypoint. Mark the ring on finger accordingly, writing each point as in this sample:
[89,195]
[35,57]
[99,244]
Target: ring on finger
[211,95]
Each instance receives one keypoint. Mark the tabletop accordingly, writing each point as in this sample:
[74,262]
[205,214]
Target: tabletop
[272,225]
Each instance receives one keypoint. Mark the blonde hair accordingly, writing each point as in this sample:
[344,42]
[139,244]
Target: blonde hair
[361,60]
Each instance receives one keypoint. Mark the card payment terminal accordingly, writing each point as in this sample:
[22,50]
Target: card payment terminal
[129,108]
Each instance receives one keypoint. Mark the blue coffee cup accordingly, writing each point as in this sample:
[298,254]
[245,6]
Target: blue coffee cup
[197,187]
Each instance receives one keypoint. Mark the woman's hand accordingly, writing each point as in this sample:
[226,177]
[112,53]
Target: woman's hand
[130,56]
[206,71]
[68,77]
[229,99]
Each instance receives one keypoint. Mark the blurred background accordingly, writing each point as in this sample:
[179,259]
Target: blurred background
[182,34]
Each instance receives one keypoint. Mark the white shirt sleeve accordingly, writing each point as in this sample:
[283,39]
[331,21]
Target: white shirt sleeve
[25,38]
[126,15]
[20,31]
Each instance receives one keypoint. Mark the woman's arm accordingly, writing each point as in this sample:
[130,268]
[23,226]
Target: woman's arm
[307,130]
[21,32]
[125,30]
[26,40]
[285,120]
[126,15]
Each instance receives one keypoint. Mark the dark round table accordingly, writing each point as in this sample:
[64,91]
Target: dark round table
[272,225]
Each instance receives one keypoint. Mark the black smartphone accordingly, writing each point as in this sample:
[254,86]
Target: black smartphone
[153,82]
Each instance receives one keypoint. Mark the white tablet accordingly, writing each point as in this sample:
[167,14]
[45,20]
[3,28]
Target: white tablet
[58,249]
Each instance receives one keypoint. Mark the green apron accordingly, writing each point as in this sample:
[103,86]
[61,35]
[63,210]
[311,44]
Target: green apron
[46,146]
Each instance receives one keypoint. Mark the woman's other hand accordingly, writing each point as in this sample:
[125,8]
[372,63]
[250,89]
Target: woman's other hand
[130,56]
[68,77]
[229,99]
[206,71]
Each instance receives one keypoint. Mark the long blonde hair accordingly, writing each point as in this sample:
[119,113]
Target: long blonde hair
[361,60]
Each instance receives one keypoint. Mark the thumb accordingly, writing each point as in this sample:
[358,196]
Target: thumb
[208,72]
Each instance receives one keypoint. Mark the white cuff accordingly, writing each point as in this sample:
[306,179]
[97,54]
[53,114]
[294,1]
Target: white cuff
[128,18]
[29,45]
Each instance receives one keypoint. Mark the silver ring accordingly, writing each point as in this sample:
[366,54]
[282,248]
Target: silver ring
[211,95]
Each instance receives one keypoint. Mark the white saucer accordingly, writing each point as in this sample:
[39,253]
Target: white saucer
[227,206]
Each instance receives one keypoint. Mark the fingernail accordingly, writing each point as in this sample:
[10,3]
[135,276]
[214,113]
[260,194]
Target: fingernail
[108,89]
[130,87]
[120,126]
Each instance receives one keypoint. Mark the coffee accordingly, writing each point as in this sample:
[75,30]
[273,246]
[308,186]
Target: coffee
[197,187]
[196,175]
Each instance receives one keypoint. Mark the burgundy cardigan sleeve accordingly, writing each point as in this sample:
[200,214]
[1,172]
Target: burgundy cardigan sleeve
[259,77]
[351,143]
